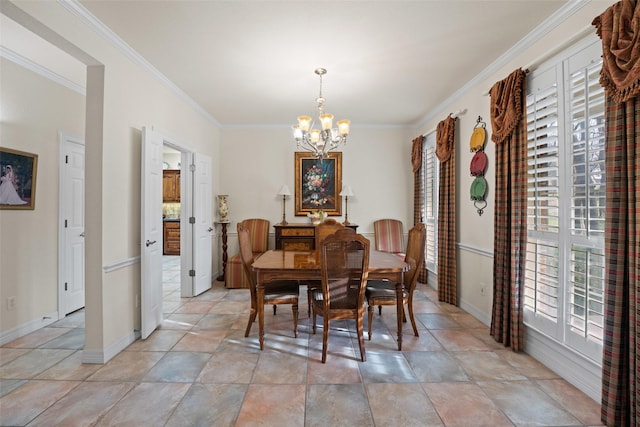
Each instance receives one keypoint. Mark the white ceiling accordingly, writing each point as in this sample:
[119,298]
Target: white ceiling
[389,62]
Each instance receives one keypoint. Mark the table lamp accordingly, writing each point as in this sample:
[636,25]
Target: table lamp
[346,192]
[284,192]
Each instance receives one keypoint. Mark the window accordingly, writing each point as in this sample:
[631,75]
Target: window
[564,285]
[430,166]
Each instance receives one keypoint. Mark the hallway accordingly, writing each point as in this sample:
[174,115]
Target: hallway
[199,369]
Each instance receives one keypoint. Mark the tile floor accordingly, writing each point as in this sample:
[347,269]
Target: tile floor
[198,369]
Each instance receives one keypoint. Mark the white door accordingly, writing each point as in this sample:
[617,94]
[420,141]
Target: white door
[151,232]
[72,225]
[203,226]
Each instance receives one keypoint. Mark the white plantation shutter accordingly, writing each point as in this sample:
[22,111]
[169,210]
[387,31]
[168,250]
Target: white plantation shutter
[585,293]
[541,289]
[430,165]
[564,285]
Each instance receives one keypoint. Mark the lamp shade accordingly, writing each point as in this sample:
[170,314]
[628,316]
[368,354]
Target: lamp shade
[284,191]
[347,191]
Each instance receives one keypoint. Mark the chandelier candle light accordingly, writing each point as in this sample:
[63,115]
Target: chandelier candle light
[317,141]
[284,192]
[346,192]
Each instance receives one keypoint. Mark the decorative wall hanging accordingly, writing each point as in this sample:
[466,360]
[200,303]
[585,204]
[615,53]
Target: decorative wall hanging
[17,179]
[318,183]
[478,165]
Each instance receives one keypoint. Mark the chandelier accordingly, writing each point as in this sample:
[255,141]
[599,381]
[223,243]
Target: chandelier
[317,141]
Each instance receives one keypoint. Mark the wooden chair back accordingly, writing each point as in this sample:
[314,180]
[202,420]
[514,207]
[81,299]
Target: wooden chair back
[246,254]
[324,229]
[258,234]
[415,254]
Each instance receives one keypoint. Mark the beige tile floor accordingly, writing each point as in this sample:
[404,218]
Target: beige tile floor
[198,369]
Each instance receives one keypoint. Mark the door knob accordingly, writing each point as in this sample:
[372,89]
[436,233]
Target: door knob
[210,230]
[82,234]
[149,243]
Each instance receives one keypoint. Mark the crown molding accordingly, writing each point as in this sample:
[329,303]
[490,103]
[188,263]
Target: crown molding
[561,15]
[43,71]
[105,32]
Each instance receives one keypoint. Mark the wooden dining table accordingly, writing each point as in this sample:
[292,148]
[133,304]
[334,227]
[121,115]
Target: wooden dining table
[304,265]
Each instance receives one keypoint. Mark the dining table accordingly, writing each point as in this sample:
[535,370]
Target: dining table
[305,265]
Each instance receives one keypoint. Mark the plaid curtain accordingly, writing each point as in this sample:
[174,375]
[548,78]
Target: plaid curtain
[418,191]
[447,249]
[509,132]
[619,28]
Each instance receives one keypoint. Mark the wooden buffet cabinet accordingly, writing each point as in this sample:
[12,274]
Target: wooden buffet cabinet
[171,185]
[298,237]
[171,237]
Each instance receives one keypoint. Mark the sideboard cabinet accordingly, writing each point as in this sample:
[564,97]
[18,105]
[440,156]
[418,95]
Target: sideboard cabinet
[298,237]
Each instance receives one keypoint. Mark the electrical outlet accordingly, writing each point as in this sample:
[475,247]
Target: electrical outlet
[11,303]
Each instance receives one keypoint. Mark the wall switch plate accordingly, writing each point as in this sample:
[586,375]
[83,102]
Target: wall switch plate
[11,303]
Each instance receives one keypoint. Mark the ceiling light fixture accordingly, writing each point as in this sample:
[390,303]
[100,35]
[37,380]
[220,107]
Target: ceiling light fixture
[317,141]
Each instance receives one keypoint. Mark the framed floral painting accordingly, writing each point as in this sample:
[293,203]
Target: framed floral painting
[318,183]
[17,179]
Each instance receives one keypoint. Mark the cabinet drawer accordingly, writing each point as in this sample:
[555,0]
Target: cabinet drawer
[173,234]
[294,232]
[298,245]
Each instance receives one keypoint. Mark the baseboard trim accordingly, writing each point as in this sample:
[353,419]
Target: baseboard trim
[100,357]
[27,327]
[478,314]
[582,373]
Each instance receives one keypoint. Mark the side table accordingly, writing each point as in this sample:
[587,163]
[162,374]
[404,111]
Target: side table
[223,226]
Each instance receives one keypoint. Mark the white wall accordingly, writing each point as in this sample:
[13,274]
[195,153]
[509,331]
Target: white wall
[376,163]
[133,99]
[33,111]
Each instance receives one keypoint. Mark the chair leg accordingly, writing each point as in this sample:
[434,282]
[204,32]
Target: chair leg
[379,310]
[252,318]
[360,329]
[404,317]
[274,309]
[413,321]
[370,312]
[314,321]
[294,307]
[325,338]
[308,301]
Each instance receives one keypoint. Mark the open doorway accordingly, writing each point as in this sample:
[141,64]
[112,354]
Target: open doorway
[171,216]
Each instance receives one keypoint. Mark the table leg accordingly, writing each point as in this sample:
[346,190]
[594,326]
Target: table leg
[260,301]
[399,310]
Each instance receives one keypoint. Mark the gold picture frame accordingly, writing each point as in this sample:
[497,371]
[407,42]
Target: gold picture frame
[318,183]
[17,179]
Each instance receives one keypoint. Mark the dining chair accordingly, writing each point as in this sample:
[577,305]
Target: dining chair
[275,293]
[235,276]
[324,229]
[389,236]
[383,292]
[344,265]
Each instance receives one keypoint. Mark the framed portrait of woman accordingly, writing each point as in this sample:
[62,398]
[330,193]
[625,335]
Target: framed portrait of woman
[17,179]
[318,183]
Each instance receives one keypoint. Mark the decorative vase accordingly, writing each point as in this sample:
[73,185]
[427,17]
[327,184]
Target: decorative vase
[317,217]
[223,208]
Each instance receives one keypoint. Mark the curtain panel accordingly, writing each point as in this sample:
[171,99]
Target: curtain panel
[509,132]
[619,29]
[418,191]
[447,249]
